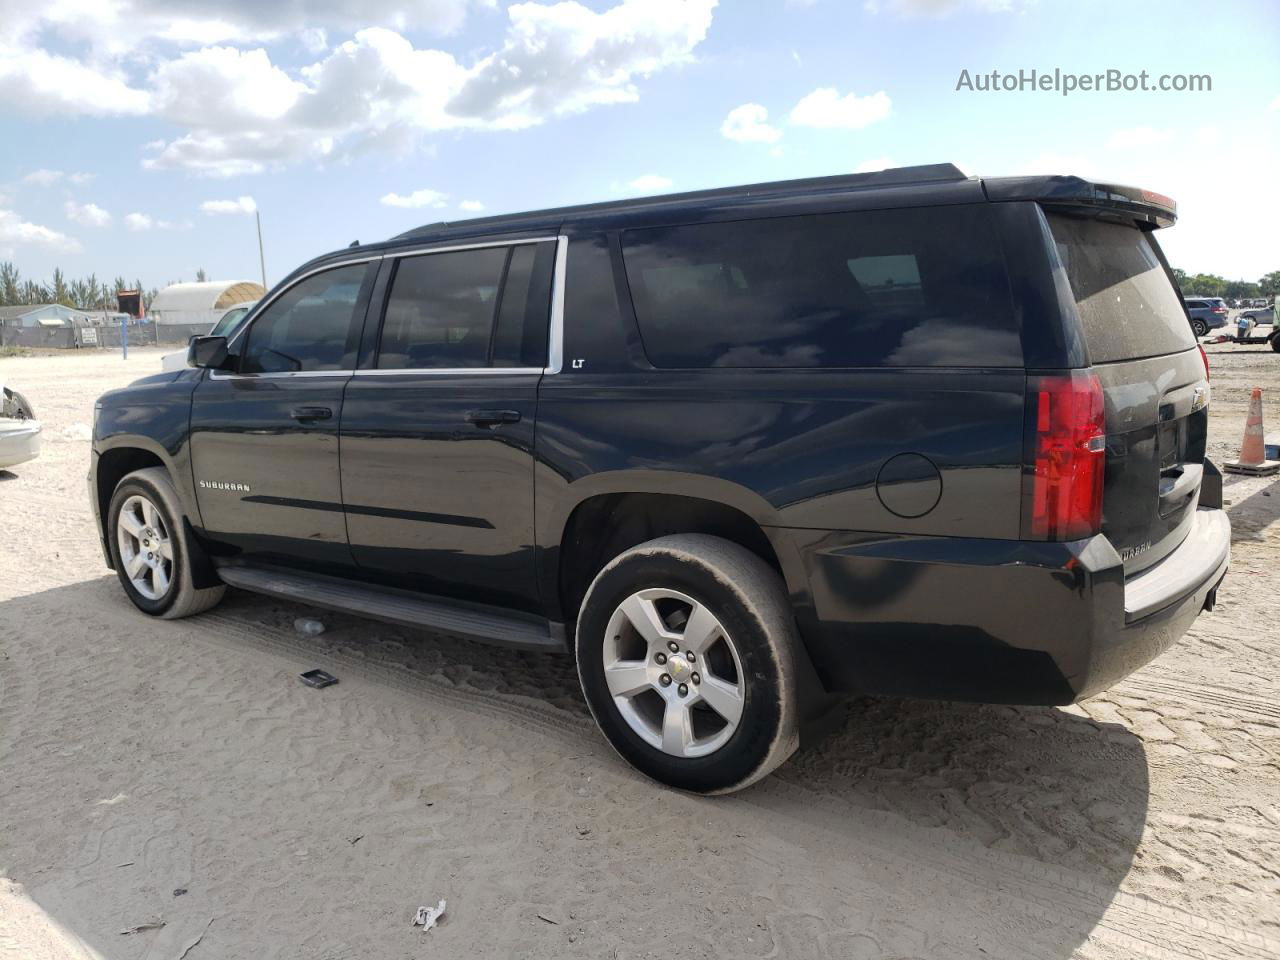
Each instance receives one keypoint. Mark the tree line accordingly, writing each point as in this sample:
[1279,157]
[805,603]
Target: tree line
[1212,285]
[84,293]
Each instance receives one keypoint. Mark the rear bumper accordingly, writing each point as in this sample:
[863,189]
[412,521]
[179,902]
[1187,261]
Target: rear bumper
[19,442]
[997,621]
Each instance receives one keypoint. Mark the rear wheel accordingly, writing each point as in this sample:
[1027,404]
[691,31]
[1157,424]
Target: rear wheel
[686,651]
[1275,341]
[150,550]
[1199,328]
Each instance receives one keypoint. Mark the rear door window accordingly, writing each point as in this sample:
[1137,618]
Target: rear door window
[487,307]
[912,287]
[1128,305]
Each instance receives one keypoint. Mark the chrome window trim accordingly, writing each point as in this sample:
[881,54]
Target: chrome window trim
[422,251]
[446,371]
[555,337]
[555,334]
[262,305]
[219,375]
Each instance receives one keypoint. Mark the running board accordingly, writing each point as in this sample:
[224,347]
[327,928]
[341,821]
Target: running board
[523,632]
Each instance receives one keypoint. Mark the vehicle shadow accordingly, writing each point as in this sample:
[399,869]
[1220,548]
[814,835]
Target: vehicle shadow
[1041,797]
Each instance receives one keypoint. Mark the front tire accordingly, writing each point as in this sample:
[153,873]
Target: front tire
[150,550]
[686,652]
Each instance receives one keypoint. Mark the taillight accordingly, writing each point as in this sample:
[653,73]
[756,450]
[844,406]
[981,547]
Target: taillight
[1221,310]
[1066,452]
[1205,357]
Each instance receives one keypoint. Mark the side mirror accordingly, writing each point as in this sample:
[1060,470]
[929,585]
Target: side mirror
[208,352]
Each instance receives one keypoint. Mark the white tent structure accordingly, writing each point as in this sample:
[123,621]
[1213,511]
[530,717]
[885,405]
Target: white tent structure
[201,304]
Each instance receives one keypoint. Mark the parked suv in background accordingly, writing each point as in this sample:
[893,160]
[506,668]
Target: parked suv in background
[1205,315]
[903,433]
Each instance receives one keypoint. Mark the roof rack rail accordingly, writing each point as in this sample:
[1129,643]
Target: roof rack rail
[894,176]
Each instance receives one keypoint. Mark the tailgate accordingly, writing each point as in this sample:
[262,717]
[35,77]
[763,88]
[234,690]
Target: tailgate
[1154,384]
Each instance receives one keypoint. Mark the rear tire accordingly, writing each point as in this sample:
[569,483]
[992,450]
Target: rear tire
[1199,328]
[152,554]
[686,652]
[1275,341]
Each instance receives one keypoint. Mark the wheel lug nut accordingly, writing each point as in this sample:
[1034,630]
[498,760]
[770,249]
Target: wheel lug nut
[673,647]
[684,689]
[661,658]
[696,679]
[690,656]
[665,680]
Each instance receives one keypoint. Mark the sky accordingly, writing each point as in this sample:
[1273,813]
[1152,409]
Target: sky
[141,135]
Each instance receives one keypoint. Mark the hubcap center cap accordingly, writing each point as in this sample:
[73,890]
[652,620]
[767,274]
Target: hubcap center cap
[679,668]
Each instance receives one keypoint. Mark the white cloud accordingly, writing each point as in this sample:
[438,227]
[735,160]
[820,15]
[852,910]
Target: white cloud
[16,232]
[42,83]
[419,198]
[825,109]
[942,8]
[142,222]
[650,181]
[89,214]
[471,206]
[238,112]
[564,58]
[749,123]
[118,27]
[1133,138]
[43,178]
[46,178]
[240,205]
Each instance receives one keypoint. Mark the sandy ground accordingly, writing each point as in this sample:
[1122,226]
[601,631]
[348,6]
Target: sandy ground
[178,773]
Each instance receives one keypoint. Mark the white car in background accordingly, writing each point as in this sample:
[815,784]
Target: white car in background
[19,429]
[224,327]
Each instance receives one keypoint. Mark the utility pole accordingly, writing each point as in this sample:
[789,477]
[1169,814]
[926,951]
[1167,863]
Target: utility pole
[262,260]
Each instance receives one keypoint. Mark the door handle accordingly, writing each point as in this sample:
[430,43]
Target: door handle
[490,418]
[305,414]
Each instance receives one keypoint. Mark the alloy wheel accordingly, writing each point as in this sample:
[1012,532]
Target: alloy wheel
[146,547]
[674,673]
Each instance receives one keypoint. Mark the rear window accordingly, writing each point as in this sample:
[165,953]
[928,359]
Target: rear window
[1128,305]
[914,287]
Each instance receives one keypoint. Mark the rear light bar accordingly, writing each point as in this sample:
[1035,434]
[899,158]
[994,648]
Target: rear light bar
[1065,445]
[1205,357]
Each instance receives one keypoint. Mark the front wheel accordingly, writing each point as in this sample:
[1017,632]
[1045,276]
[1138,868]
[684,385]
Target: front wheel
[686,651]
[150,550]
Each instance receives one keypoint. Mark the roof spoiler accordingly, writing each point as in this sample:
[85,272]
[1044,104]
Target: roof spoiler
[1144,206]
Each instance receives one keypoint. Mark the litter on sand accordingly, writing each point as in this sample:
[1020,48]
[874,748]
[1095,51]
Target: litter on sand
[318,678]
[308,627]
[149,925]
[426,917]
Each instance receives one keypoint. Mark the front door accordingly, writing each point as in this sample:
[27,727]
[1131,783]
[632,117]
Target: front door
[264,436]
[438,424]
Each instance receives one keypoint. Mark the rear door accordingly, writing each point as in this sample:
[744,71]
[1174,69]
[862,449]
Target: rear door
[264,438]
[1153,379]
[438,424]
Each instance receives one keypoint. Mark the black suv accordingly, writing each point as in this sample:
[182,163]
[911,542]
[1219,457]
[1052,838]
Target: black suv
[905,433]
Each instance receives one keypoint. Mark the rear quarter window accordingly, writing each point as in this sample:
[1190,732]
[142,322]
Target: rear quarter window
[912,287]
[1128,305]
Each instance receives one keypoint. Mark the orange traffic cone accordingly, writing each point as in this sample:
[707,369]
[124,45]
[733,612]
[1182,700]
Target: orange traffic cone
[1253,456]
